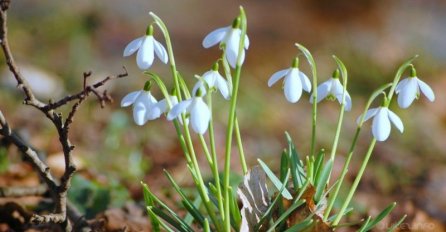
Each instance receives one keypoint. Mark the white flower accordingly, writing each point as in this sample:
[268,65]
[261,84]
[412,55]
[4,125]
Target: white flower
[147,46]
[164,107]
[409,89]
[293,83]
[333,89]
[144,106]
[199,112]
[213,79]
[382,117]
[230,37]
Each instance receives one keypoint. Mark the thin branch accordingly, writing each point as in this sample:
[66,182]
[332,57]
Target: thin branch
[58,191]
[38,190]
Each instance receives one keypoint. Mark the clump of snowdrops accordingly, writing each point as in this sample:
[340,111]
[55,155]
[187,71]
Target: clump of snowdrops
[305,190]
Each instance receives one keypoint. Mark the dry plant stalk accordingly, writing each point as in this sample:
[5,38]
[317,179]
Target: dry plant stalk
[56,188]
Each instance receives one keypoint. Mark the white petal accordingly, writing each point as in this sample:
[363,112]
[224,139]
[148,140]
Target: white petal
[129,98]
[144,57]
[292,86]
[178,109]
[232,56]
[200,116]
[348,102]
[222,86]
[322,91]
[161,52]
[427,91]
[370,113]
[210,77]
[401,85]
[215,37]
[162,105]
[408,93]
[277,76]
[199,85]
[306,84]
[381,125]
[133,46]
[246,42]
[139,113]
[396,121]
[336,88]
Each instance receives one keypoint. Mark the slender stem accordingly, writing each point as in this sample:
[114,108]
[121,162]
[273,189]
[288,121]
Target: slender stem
[355,183]
[231,120]
[200,183]
[343,173]
[206,151]
[240,147]
[214,160]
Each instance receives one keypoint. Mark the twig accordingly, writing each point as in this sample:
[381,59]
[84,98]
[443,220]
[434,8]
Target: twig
[57,189]
[23,191]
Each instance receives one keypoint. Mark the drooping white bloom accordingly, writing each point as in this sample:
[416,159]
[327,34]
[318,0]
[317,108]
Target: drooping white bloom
[293,83]
[409,89]
[144,106]
[333,89]
[199,113]
[382,117]
[230,37]
[214,80]
[147,47]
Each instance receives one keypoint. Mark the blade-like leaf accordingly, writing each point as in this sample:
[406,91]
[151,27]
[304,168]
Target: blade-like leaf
[276,182]
[301,226]
[394,226]
[364,226]
[321,182]
[381,216]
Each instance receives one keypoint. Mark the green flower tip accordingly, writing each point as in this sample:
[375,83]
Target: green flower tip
[336,73]
[199,93]
[173,92]
[149,30]
[385,102]
[413,71]
[236,23]
[148,85]
[295,63]
[215,66]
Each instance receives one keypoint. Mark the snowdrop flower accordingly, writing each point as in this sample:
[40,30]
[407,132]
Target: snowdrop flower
[382,117]
[293,83]
[199,112]
[214,80]
[409,89]
[332,89]
[230,37]
[147,46]
[144,106]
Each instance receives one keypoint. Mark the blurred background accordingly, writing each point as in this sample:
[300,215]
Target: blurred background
[54,42]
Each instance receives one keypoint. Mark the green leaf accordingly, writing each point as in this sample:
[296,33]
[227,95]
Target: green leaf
[381,216]
[191,208]
[297,170]
[155,221]
[273,204]
[301,226]
[276,182]
[321,182]
[394,226]
[174,219]
[364,226]
[235,211]
[319,164]
[284,167]
[206,227]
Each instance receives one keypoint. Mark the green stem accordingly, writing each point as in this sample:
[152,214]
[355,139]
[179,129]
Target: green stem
[214,160]
[343,173]
[355,183]
[231,120]
[240,147]
[200,183]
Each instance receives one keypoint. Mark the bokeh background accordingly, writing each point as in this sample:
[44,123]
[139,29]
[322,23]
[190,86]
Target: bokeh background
[54,42]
